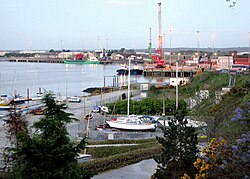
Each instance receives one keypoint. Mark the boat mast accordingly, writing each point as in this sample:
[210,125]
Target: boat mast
[129,62]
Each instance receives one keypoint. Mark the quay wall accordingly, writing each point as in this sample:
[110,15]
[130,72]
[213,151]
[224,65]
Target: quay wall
[169,72]
[37,60]
[51,60]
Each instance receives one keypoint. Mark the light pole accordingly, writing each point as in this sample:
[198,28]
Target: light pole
[228,65]
[129,63]
[61,45]
[249,49]
[198,43]
[164,48]
[170,33]
[177,82]
[213,37]
[83,45]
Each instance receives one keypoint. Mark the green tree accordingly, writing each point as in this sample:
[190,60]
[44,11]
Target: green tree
[147,106]
[48,152]
[16,124]
[180,148]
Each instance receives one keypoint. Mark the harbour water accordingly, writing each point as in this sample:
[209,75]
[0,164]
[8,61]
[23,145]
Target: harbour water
[66,79]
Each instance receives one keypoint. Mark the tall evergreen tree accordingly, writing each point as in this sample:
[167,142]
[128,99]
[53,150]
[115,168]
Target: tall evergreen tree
[180,148]
[48,152]
[16,124]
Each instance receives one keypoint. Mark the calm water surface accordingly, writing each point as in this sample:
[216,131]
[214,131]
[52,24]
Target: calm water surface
[65,79]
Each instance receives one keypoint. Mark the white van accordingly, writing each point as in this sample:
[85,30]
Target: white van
[74,99]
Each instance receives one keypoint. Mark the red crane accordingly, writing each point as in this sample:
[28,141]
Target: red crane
[158,58]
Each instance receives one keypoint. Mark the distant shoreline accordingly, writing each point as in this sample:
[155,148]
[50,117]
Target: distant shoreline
[52,60]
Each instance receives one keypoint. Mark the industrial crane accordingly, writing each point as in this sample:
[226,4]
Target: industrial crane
[159,57]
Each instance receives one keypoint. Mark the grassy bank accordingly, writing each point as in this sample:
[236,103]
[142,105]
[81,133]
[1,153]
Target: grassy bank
[106,158]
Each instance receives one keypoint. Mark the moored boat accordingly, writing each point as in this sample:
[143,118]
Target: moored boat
[91,60]
[123,70]
[132,122]
[4,100]
[136,70]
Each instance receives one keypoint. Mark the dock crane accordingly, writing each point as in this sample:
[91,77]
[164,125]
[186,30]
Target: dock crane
[159,58]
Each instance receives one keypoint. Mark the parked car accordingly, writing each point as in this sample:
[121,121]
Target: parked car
[100,109]
[74,99]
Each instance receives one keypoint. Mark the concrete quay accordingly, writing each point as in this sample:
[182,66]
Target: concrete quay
[162,72]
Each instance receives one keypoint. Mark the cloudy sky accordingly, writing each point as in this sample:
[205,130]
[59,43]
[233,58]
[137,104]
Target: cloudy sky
[78,24]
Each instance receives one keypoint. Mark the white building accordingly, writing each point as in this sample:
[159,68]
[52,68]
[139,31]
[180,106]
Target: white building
[67,54]
[180,81]
[225,62]
[2,54]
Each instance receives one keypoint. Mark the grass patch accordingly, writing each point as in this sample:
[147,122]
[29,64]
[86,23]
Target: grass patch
[106,158]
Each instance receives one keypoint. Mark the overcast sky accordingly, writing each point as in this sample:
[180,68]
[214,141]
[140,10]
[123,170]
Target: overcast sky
[77,24]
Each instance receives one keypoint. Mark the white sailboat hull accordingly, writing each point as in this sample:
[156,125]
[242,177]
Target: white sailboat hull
[131,126]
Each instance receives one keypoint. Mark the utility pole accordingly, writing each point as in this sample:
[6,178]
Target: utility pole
[198,43]
[170,50]
[150,47]
[249,49]
[177,82]
[129,63]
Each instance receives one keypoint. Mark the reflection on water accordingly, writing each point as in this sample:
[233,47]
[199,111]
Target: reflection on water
[66,79]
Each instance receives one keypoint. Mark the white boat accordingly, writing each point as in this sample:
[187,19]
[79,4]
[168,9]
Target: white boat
[4,100]
[74,99]
[123,70]
[132,122]
[83,157]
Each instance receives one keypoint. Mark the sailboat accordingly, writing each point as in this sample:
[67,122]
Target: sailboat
[133,122]
[4,100]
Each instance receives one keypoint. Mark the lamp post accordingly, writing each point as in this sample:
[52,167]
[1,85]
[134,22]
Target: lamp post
[83,45]
[249,49]
[228,65]
[61,45]
[213,37]
[164,48]
[170,50]
[215,54]
[177,82]
[198,43]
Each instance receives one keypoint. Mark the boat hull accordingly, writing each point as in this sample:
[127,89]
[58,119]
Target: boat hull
[122,72]
[132,127]
[81,62]
[132,72]
[136,72]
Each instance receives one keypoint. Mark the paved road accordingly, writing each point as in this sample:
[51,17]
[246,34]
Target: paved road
[141,170]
